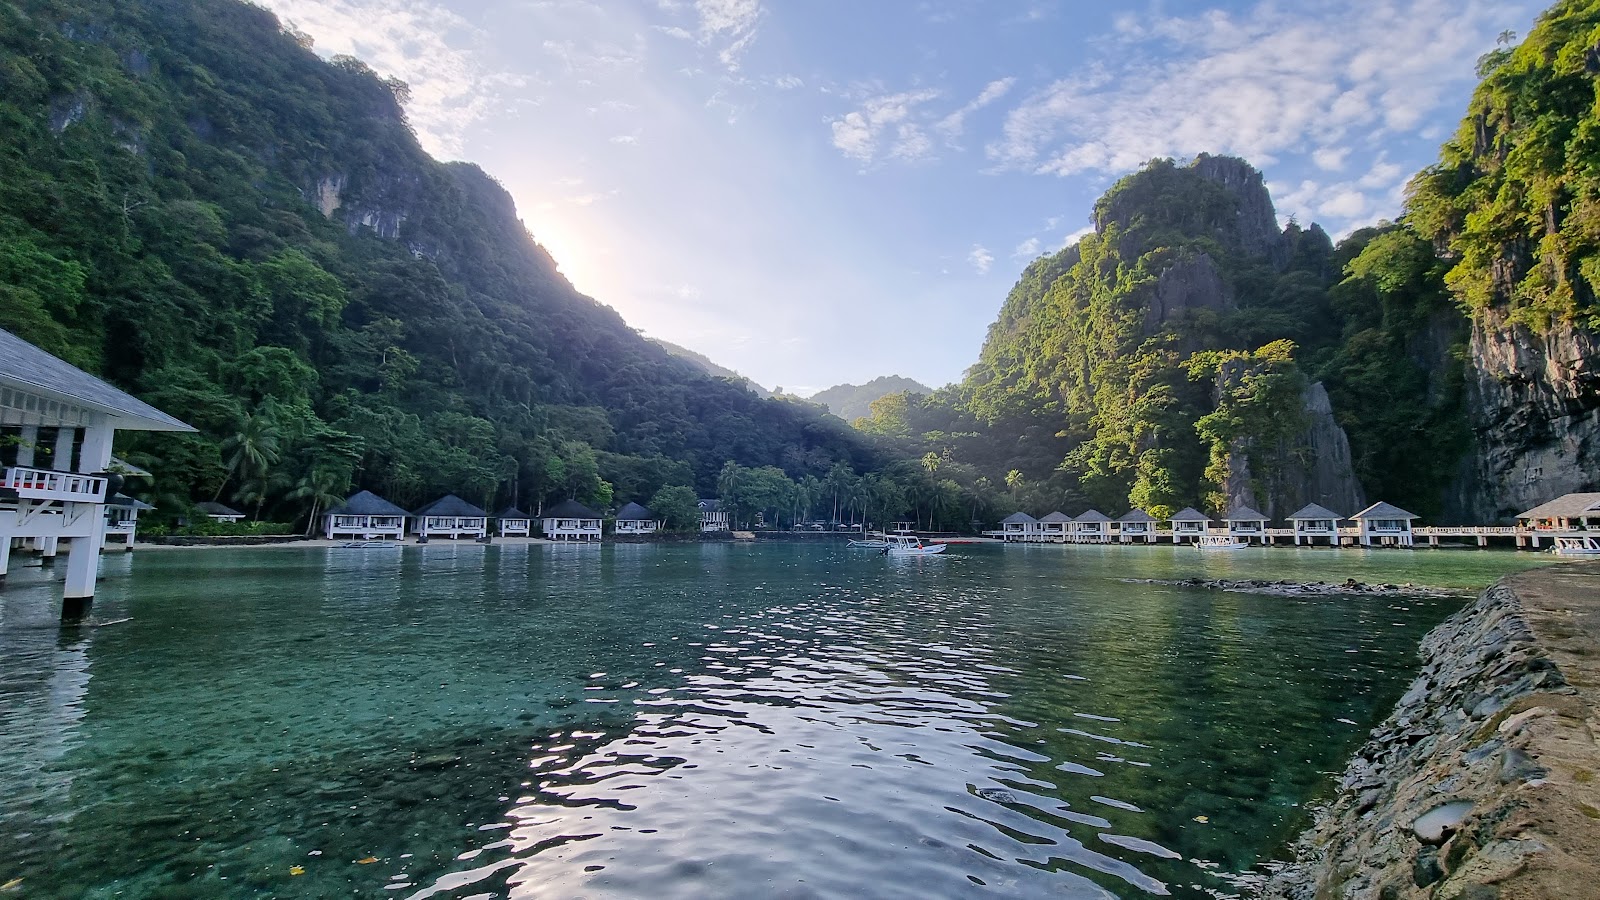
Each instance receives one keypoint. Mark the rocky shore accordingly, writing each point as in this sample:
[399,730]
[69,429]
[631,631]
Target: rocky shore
[1484,784]
[1303,588]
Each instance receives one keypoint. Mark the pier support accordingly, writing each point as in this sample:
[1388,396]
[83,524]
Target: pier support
[83,565]
[5,556]
[48,547]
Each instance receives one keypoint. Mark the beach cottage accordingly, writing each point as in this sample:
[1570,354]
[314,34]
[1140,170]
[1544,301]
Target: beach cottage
[1055,528]
[122,519]
[1189,525]
[1092,527]
[364,517]
[570,520]
[216,512]
[1384,525]
[513,522]
[1569,512]
[57,423]
[1135,526]
[636,519]
[1245,524]
[1313,523]
[1019,527]
[712,516]
[450,517]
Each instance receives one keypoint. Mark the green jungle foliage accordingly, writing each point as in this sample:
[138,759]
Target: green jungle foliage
[852,401]
[198,208]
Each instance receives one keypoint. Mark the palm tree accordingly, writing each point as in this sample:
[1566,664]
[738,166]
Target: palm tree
[253,449]
[324,488]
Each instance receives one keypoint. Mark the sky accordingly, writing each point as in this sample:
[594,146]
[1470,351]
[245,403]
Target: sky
[813,192]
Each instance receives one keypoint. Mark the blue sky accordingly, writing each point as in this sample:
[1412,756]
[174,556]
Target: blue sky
[820,191]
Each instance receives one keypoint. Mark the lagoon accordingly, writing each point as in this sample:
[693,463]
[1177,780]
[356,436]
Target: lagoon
[734,720]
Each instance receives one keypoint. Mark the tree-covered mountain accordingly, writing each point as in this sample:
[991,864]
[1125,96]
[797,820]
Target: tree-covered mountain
[704,363]
[200,209]
[852,401]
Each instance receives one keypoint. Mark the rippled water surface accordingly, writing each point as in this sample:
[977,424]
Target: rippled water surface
[774,720]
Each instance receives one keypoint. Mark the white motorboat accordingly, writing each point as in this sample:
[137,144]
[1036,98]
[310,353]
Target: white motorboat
[875,540]
[367,545]
[1577,545]
[907,545]
[1219,542]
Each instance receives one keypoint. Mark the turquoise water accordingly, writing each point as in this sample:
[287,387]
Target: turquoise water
[773,720]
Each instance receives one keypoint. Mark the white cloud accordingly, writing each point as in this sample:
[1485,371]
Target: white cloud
[732,24]
[432,49]
[858,134]
[1028,249]
[1330,159]
[981,259]
[1075,236]
[625,139]
[1266,82]
[952,125]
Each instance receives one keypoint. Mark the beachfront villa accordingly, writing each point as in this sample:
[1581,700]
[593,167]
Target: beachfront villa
[1569,512]
[712,516]
[1092,527]
[216,512]
[570,520]
[636,519]
[1245,524]
[122,519]
[1054,528]
[1189,525]
[449,517]
[1384,525]
[1136,525]
[58,423]
[1315,522]
[1019,526]
[365,517]
[513,522]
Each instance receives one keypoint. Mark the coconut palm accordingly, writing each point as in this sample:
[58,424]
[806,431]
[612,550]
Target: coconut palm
[253,449]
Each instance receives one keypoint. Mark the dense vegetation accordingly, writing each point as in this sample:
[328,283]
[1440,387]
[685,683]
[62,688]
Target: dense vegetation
[197,207]
[852,401]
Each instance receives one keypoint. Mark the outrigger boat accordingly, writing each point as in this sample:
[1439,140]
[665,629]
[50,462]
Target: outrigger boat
[367,545]
[1576,546]
[876,540]
[908,545]
[1219,542]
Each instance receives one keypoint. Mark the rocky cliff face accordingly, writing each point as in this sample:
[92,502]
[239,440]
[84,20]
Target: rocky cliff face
[1534,404]
[1315,466]
[1255,225]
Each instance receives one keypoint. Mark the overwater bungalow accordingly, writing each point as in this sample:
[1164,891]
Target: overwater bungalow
[449,517]
[1055,528]
[1189,525]
[1385,525]
[1313,523]
[636,519]
[59,422]
[217,512]
[1136,525]
[122,519]
[570,520]
[513,522]
[364,517]
[1091,527]
[1019,526]
[712,516]
[1569,512]
[1245,524]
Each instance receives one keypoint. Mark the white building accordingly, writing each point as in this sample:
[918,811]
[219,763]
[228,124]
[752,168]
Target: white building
[122,519]
[1189,525]
[513,522]
[216,512]
[1055,528]
[636,519]
[570,520]
[1135,526]
[1019,526]
[1092,527]
[1245,524]
[1314,523]
[1569,512]
[365,517]
[1384,525]
[712,516]
[54,410]
[449,517]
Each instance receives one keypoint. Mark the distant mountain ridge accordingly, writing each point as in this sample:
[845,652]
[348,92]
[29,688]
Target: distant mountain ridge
[852,401]
[704,363]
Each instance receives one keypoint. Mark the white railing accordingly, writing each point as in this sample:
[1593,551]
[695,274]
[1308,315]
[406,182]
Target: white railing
[45,484]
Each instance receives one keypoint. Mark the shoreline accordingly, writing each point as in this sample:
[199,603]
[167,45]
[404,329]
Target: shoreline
[1485,780]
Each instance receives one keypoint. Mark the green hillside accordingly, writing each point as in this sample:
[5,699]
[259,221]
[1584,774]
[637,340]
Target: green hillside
[852,401]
